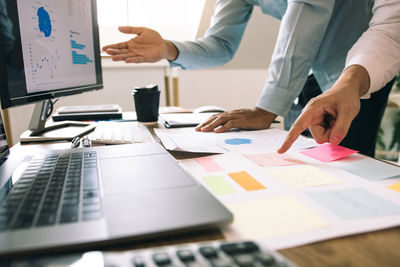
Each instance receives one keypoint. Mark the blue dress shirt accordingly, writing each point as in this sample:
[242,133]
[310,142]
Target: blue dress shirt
[314,35]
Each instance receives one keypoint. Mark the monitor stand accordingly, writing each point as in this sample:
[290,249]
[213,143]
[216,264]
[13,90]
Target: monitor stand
[58,131]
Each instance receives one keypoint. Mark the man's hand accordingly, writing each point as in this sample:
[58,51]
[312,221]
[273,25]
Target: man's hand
[147,46]
[329,116]
[242,118]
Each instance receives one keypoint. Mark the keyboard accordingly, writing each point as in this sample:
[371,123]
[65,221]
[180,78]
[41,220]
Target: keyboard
[114,133]
[54,188]
[215,254]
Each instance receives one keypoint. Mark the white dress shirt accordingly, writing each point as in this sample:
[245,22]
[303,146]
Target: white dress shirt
[378,49]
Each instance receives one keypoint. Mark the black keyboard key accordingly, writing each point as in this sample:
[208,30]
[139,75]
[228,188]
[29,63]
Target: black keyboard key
[46,219]
[24,220]
[90,180]
[250,246]
[237,248]
[91,215]
[91,208]
[69,213]
[90,194]
[90,201]
[161,258]
[208,252]
[185,255]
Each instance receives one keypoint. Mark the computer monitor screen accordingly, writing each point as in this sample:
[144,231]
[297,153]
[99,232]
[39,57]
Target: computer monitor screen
[48,48]
[3,141]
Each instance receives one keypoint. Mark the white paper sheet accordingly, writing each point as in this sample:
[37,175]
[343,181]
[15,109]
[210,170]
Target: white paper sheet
[187,139]
[282,215]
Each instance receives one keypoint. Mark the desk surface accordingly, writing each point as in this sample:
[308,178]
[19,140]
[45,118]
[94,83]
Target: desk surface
[380,248]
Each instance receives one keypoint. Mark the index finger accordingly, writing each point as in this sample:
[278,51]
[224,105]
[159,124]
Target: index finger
[297,128]
[208,121]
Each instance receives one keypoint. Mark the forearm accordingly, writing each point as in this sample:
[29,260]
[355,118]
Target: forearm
[221,40]
[294,53]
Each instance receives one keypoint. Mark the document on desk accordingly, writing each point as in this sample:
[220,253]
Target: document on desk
[189,140]
[176,120]
[289,200]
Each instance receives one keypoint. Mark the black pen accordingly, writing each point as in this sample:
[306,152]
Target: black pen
[75,142]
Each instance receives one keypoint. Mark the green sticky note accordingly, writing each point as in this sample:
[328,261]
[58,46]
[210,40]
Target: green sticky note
[218,185]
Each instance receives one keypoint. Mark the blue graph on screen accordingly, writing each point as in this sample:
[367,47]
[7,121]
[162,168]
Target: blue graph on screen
[44,21]
[78,57]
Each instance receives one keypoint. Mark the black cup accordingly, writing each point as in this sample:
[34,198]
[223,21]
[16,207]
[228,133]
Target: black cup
[147,101]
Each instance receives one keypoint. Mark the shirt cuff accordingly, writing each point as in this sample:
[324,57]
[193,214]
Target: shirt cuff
[374,72]
[276,100]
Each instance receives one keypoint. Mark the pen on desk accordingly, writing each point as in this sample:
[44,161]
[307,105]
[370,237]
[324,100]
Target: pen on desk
[75,142]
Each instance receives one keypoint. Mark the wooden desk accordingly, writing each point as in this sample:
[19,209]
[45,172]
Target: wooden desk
[380,248]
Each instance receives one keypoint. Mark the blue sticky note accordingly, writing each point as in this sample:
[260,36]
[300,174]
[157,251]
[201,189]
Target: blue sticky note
[369,169]
[355,203]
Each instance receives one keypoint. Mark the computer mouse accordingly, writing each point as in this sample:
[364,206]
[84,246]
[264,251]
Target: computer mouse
[208,109]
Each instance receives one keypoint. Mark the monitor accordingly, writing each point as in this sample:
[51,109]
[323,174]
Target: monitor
[48,49]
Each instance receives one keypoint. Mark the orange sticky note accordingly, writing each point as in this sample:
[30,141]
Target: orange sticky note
[209,164]
[246,181]
[395,187]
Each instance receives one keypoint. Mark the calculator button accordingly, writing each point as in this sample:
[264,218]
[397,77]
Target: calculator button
[185,255]
[161,258]
[208,252]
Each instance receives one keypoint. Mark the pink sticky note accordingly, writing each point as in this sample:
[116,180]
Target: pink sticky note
[273,159]
[328,152]
[209,164]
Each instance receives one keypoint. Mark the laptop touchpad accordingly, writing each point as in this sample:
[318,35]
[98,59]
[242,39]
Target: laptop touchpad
[141,173]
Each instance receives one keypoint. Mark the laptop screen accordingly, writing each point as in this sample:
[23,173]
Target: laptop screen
[3,142]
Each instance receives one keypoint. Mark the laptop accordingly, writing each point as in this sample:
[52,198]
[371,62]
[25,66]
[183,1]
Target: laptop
[85,197]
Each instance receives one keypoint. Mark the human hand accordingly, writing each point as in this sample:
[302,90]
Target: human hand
[147,46]
[329,116]
[241,118]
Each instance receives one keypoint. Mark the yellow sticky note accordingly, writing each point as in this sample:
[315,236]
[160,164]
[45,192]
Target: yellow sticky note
[303,176]
[273,217]
[395,187]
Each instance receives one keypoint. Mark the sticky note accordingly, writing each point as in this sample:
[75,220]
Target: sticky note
[369,168]
[218,185]
[395,187]
[303,176]
[276,216]
[246,181]
[355,203]
[328,152]
[273,159]
[209,164]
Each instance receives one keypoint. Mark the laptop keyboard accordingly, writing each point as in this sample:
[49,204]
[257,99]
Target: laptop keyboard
[120,133]
[54,188]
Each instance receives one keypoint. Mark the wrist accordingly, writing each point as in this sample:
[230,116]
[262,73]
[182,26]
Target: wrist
[358,77]
[171,51]
[267,116]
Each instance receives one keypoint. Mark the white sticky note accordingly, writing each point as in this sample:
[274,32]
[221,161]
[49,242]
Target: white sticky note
[273,217]
[303,176]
